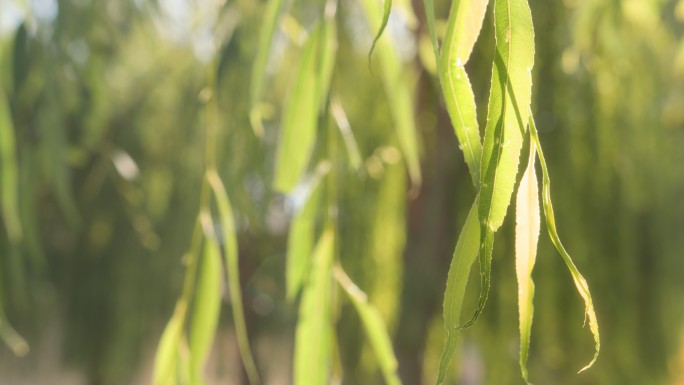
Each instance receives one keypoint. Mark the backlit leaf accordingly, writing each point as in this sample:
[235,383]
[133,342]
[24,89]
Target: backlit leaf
[9,204]
[206,309]
[526,237]
[268,27]
[312,345]
[386,10]
[166,359]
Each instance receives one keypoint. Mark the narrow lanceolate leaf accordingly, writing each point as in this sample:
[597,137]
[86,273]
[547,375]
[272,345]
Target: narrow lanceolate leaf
[312,344]
[9,183]
[397,81]
[298,127]
[509,105]
[268,27]
[431,26]
[166,359]
[386,10]
[206,309]
[464,256]
[374,326]
[465,22]
[300,241]
[580,282]
[230,252]
[526,237]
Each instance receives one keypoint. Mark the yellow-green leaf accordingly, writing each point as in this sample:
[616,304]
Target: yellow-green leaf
[580,282]
[9,204]
[268,27]
[299,122]
[526,237]
[206,309]
[312,345]
[230,252]
[459,271]
[374,326]
[166,359]
[386,10]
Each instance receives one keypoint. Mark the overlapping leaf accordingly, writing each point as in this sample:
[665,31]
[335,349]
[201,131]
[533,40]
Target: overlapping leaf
[509,105]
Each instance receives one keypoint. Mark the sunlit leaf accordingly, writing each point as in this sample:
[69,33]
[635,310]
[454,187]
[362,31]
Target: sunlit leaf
[206,308]
[386,10]
[8,172]
[526,236]
[374,326]
[166,359]
[509,105]
[300,240]
[268,28]
[299,122]
[463,28]
[580,282]
[461,263]
[230,252]
[312,345]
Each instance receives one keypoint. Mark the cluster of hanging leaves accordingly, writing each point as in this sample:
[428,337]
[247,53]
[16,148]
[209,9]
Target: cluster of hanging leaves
[493,163]
[312,267]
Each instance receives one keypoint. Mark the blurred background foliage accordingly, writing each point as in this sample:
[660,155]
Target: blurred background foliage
[101,130]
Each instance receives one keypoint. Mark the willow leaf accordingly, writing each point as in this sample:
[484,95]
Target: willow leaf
[166,359]
[526,237]
[298,127]
[326,52]
[312,344]
[509,105]
[397,82]
[230,252]
[463,28]
[268,27]
[429,6]
[387,9]
[206,309]
[9,204]
[580,282]
[301,239]
[374,326]
[459,271]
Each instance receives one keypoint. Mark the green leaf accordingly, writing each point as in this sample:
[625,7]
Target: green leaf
[299,122]
[580,282]
[387,9]
[300,240]
[268,28]
[312,344]
[398,84]
[374,326]
[432,29]
[526,237]
[166,359]
[459,271]
[9,203]
[206,309]
[509,105]
[463,28]
[230,252]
